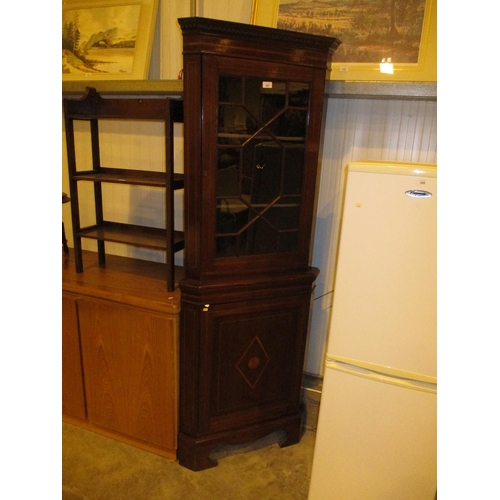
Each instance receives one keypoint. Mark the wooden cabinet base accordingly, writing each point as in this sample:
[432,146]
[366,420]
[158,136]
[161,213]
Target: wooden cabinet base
[194,452]
[242,354]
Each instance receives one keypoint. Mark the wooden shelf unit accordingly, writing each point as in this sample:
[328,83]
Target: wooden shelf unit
[93,108]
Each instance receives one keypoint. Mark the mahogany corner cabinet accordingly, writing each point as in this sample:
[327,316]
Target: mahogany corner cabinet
[253,106]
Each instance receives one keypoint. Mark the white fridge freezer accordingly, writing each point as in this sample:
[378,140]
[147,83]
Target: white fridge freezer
[376,436]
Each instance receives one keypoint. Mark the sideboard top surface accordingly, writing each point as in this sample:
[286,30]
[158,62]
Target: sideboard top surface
[128,281]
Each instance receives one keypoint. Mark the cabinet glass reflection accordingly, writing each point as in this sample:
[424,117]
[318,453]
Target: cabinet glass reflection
[261,146]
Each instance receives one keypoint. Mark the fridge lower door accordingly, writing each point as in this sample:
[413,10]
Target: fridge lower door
[374,441]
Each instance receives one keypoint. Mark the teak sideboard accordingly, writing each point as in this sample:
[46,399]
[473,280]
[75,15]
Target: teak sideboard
[120,334]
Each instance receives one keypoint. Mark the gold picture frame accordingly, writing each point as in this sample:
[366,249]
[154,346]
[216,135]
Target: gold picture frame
[424,69]
[107,39]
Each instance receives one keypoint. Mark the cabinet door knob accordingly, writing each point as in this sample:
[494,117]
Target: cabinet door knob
[260,167]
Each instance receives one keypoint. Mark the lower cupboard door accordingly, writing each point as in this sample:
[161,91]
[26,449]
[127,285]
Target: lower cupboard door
[130,362]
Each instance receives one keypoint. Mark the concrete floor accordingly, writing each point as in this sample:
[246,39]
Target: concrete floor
[98,468]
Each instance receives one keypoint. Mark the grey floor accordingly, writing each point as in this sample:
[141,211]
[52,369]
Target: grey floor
[98,468]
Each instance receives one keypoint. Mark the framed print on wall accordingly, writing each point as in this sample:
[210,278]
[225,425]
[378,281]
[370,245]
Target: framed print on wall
[403,30]
[107,39]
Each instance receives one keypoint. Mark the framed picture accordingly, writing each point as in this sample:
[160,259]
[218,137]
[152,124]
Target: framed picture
[107,39]
[403,30]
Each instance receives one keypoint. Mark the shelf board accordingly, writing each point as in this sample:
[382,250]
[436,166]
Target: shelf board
[148,237]
[126,176]
[125,87]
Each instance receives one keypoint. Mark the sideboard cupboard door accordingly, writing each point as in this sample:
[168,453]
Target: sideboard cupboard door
[73,397]
[130,374]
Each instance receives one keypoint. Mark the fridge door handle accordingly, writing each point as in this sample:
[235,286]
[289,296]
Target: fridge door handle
[385,374]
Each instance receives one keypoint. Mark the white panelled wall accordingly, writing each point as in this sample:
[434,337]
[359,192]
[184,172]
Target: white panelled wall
[358,129]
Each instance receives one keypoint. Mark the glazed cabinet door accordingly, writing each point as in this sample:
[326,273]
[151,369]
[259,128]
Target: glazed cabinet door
[259,165]
[73,396]
[130,370]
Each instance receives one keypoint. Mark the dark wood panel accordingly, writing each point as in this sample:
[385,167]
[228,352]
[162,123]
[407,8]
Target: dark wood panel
[252,359]
[256,42]
[257,353]
[128,176]
[147,237]
[93,106]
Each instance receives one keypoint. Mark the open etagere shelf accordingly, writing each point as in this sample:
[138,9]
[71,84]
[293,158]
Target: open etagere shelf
[93,108]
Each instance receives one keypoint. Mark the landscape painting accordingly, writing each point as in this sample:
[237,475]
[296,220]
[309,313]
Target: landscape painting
[370,30]
[100,41]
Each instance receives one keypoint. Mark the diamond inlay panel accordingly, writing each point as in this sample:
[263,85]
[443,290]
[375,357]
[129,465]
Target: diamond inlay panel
[252,356]
[253,362]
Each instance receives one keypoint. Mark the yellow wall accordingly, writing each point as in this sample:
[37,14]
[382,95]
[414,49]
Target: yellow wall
[171,60]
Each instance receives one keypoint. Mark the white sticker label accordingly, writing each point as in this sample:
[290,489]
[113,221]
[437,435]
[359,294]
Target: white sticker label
[267,85]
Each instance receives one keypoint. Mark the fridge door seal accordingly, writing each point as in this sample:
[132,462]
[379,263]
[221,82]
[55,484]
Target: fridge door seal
[384,374]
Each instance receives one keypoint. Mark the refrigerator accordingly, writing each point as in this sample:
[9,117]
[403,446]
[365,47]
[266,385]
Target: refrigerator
[376,435]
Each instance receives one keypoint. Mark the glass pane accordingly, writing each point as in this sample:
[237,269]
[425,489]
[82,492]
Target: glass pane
[266,176]
[287,242]
[257,92]
[226,246]
[261,128]
[231,216]
[227,182]
[299,95]
[273,100]
[290,124]
[293,168]
[230,89]
[235,123]
[262,238]
[284,215]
